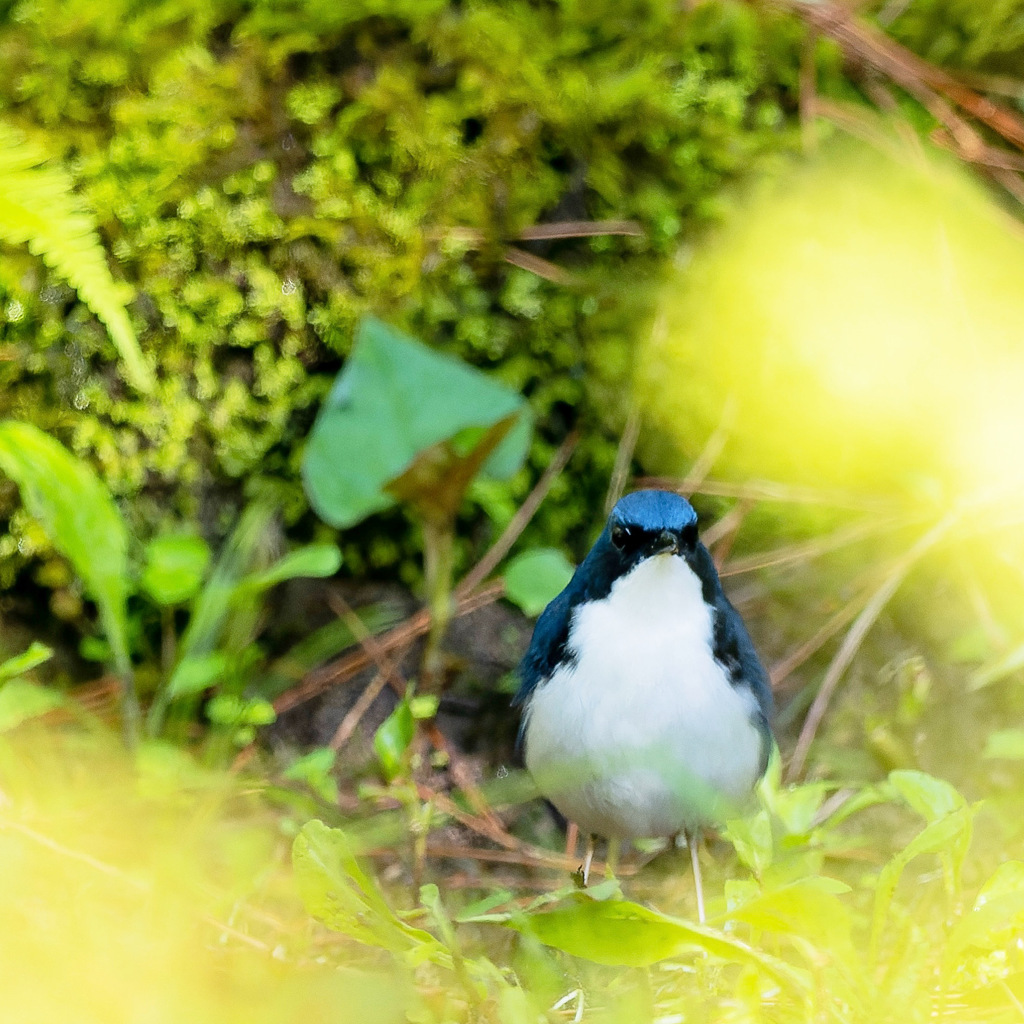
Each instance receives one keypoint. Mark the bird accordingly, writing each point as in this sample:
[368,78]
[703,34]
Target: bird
[645,710]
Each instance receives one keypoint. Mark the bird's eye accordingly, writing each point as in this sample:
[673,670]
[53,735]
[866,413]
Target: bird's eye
[619,535]
[689,535]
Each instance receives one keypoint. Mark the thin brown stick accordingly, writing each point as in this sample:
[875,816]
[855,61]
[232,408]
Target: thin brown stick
[537,265]
[781,670]
[804,551]
[854,638]
[769,490]
[461,776]
[581,229]
[697,473]
[350,722]
[485,825]
[544,232]
[917,76]
[350,664]
[387,670]
[501,547]
[623,459]
[727,525]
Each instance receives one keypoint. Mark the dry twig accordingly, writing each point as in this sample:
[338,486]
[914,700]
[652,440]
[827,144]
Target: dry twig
[854,638]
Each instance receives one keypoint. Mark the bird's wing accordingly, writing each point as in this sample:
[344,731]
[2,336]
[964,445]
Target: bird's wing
[735,650]
[548,648]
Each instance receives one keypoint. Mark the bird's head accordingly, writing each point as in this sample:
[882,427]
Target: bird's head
[647,523]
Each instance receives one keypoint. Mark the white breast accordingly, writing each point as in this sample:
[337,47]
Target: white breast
[644,735]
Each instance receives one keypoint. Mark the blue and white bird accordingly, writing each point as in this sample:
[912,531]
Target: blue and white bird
[645,708]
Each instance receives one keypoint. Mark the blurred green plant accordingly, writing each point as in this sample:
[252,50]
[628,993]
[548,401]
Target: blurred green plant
[68,498]
[405,424]
[791,940]
[216,651]
[21,699]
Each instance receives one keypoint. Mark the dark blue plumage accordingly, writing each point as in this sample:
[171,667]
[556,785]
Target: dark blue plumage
[649,513]
[646,710]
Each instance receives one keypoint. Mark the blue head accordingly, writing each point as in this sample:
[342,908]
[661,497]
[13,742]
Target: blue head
[647,523]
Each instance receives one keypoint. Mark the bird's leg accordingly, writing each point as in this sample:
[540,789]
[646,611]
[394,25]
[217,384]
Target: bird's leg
[611,860]
[588,857]
[693,842]
[572,838]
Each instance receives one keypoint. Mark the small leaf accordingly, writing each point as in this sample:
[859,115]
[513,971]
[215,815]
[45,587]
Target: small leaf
[392,739]
[1005,743]
[175,565]
[314,769]
[21,700]
[32,657]
[998,910]
[314,560]
[336,891]
[932,798]
[535,578]
[197,673]
[423,706]
[751,838]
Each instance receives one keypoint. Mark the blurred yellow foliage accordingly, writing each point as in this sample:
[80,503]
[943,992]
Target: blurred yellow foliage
[155,893]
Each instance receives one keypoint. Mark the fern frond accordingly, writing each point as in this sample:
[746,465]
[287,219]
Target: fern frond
[39,208]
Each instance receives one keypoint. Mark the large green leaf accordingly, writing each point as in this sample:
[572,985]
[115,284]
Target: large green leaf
[621,933]
[79,516]
[403,422]
[336,890]
[39,207]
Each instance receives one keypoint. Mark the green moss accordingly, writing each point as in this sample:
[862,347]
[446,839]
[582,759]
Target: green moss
[265,174]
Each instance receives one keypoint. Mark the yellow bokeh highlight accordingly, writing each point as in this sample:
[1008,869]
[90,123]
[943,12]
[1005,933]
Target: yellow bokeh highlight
[858,324]
[156,893]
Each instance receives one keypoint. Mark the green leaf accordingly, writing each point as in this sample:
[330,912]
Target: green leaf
[998,910]
[197,673]
[752,839]
[949,837]
[932,798]
[621,933]
[175,566]
[808,910]
[535,578]
[1005,743]
[313,560]
[79,517]
[314,769]
[392,739]
[21,700]
[39,207]
[336,891]
[32,657]
[404,422]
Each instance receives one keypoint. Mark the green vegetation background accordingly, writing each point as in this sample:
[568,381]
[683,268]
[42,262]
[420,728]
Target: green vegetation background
[264,174]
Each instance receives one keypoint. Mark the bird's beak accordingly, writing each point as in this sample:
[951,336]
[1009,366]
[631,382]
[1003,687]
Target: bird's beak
[666,543]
